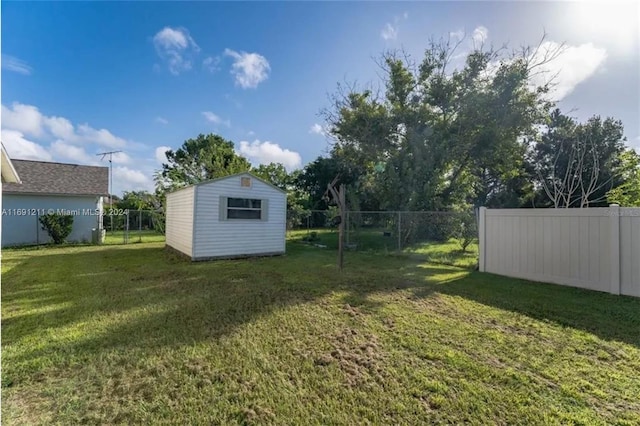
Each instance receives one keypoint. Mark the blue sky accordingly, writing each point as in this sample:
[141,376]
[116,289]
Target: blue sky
[79,78]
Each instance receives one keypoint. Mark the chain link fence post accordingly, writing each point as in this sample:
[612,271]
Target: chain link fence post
[399,231]
[347,227]
[125,230]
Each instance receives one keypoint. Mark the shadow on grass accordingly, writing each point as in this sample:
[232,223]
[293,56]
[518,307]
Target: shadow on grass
[152,298]
[605,315]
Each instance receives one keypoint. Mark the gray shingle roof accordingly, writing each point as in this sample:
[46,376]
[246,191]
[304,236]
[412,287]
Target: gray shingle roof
[41,177]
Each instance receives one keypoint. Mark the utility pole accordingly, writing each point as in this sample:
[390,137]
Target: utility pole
[110,154]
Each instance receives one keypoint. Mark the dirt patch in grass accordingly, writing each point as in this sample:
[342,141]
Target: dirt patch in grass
[256,415]
[356,354]
[352,311]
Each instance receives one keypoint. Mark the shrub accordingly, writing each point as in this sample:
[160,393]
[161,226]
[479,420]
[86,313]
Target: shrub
[57,226]
[467,231]
[312,237]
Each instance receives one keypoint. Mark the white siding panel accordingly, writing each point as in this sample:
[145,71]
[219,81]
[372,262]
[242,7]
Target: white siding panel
[179,221]
[24,229]
[219,238]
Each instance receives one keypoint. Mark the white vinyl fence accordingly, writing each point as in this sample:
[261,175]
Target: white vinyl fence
[591,248]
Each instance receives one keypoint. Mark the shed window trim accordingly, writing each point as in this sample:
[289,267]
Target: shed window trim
[237,208]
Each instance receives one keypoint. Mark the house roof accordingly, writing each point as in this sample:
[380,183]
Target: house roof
[42,177]
[232,176]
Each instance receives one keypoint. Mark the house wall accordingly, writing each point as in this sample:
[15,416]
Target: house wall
[591,248]
[216,237]
[179,220]
[25,228]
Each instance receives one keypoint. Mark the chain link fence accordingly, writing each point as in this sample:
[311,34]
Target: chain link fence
[133,226]
[444,237]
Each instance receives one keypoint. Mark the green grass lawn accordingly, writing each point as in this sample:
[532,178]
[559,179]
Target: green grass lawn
[132,334]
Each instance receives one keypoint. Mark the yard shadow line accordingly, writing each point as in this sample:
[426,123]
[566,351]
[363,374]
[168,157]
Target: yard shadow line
[84,287]
[169,301]
[607,316]
[174,302]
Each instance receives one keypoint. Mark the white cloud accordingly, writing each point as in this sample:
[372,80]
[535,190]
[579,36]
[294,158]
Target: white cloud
[161,154]
[23,118]
[68,152]
[480,35]
[20,148]
[176,47]
[121,158]
[56,138]
[573,66]
[28,120]
[249,69]
[317,129]
[456,35]
[268,152]
[63,150]
[170,38]
[215,119]
[389,32]
[162,120]
[60,127]
[101,137]
[130,180]
[211,63]
[14,64]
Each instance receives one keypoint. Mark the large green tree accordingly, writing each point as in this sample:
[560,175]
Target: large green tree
[203,158]
[138,200]
[436,138]
[315,177]
[297,197]
[577,164]
[274,173]
[627,194]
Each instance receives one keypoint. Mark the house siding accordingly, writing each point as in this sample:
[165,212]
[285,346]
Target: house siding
[237,238]
[179,220]
[26,229]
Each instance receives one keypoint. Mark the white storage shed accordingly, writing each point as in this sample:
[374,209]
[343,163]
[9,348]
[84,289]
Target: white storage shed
[233,216]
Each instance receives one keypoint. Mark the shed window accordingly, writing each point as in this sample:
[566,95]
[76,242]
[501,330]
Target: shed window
[244,208]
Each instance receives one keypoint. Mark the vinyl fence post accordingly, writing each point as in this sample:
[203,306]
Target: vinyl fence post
[614,222]
[399,231]
[482,237]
